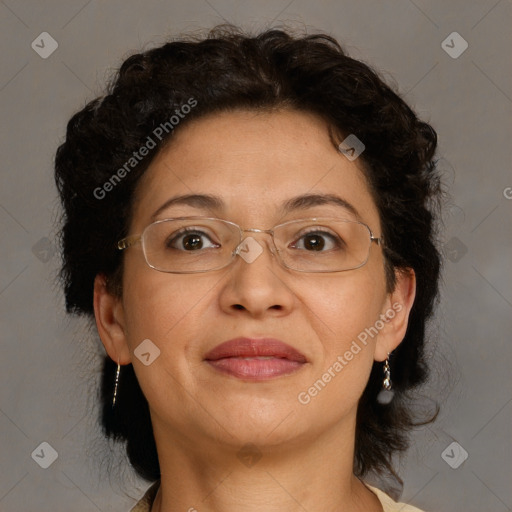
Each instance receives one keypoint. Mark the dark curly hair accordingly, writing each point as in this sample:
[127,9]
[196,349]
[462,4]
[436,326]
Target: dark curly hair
[225,71]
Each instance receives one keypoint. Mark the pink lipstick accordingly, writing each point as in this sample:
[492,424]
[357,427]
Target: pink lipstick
[255,359]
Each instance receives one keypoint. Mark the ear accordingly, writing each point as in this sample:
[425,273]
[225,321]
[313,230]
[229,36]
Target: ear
[109,314]
[395,314]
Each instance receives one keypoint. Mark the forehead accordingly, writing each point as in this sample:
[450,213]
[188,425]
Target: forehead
[255,162]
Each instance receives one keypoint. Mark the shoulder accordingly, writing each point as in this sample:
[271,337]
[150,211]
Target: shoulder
[144,504]
[390,505]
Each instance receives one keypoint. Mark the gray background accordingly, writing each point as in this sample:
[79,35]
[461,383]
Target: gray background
[49,362]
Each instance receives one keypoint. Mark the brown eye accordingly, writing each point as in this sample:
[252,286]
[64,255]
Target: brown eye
[314,242]
[190,240]
[318,241]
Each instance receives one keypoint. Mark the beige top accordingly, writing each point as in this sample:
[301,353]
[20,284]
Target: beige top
[388,504]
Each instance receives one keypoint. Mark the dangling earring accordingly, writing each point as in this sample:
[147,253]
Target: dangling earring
[386,394]
[117,382]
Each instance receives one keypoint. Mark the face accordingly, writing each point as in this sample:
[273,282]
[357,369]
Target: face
[253,163]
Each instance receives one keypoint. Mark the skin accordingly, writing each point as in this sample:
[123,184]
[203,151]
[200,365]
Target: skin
[201,418]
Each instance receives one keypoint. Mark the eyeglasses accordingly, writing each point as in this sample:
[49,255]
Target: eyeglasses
[187,245]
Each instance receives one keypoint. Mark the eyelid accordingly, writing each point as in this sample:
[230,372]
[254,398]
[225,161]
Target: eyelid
[321,230]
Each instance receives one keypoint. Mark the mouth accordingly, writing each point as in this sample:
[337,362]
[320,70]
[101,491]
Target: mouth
[255,359]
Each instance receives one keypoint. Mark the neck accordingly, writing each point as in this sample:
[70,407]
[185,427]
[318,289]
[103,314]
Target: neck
[307,474]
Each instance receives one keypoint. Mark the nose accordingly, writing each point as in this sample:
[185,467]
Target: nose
[257,283]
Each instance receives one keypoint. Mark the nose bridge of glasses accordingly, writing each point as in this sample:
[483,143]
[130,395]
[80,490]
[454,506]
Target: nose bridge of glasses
[245,244]
[256,230]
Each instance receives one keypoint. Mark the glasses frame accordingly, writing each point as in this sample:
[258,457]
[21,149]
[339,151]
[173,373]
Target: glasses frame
[132,240]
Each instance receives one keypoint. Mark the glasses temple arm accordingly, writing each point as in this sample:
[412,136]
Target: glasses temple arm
[377,240]
[124,243]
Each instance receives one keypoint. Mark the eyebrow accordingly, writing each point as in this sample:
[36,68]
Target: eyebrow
[302,202]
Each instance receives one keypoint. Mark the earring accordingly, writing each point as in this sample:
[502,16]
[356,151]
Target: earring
[386,384]
[386,394]
[117,382]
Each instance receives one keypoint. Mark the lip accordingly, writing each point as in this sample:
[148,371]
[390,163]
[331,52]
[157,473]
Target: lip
[255,359]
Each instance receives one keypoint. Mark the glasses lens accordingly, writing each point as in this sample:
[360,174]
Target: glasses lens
[323,245]
[189,245]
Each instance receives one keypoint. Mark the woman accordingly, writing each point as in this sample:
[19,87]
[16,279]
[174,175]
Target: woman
[248,220]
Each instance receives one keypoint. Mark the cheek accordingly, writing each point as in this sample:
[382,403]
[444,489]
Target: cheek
[167,310]
[349,307]
[346,310]
[348,303]
[162,307]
